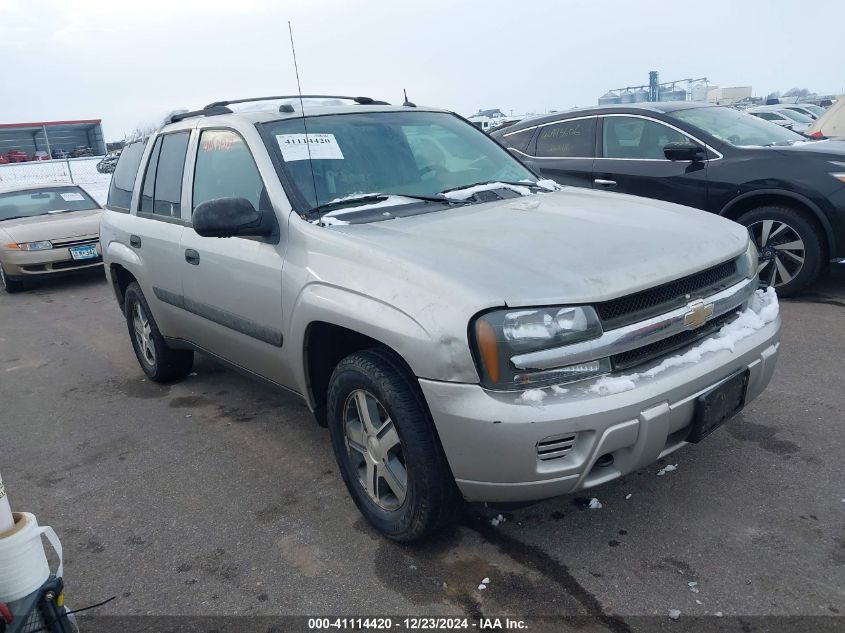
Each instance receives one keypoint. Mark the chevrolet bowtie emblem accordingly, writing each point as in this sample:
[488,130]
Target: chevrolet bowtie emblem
[698,313]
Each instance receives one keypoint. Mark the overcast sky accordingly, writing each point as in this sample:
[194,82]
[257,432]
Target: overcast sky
[129,63]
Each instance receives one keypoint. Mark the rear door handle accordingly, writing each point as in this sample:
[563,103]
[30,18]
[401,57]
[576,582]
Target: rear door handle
[134,241]
[192,257]
[601,182]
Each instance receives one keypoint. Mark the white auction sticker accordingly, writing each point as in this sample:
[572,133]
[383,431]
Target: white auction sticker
[295,147]
[72,197]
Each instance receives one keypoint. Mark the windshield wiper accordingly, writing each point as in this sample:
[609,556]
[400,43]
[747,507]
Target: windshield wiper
[374,197]
[528,185]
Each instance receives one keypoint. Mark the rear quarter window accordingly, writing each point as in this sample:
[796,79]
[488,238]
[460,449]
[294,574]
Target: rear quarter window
[517,140]
[123,180]
[575,138]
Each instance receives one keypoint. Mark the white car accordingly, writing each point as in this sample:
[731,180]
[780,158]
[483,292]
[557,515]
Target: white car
[781,116]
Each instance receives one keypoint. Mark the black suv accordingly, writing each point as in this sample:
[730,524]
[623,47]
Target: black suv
[790,193]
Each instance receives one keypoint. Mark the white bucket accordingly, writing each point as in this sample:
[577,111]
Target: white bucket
[23,562]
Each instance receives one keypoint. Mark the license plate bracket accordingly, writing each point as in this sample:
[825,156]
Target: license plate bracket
[719,404]
[86,251]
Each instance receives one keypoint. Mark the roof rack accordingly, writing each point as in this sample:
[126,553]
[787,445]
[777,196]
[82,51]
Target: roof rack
[209,110]
[358,100]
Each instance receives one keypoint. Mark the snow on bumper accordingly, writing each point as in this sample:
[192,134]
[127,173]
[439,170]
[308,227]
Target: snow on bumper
[491,439]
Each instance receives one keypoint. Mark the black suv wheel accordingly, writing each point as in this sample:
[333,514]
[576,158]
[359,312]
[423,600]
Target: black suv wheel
[790,247]
[386,447]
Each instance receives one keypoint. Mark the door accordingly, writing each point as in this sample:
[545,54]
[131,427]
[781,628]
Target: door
[631,161]
[156,231]
[232,287]
[563,151]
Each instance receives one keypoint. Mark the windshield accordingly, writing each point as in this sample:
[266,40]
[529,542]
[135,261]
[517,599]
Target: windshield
[795,116]
[404,153]
[32,202]
[817,110]
[737,128]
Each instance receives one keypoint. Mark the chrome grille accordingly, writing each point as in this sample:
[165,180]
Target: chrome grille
[556,447]
[647,303]
[668,345]
[74,241]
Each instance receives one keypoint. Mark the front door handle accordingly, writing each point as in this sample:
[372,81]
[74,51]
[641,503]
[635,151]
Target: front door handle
[601,182]
[192,257]
[134,241]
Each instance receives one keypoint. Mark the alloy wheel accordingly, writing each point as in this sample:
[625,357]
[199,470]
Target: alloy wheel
[781,251]
[375,451]
[143,334]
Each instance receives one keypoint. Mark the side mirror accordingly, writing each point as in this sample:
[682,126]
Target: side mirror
[684,151]
[230,217]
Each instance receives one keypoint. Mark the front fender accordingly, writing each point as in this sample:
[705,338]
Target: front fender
[430,354]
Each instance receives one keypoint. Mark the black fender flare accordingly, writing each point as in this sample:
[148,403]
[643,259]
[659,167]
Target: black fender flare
[803,200]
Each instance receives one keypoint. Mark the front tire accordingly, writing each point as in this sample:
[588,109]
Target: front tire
[386,447]
[790,248]
[9,285]
[159,362]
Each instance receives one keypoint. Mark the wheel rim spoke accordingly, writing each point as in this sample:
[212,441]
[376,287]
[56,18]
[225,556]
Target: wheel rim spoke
[365,411]
[396,479]
[764,236]
[371,479]
[785,277]
[388,438]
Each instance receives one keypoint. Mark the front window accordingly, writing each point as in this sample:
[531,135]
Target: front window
[796,116]
[735,127]
[633,137]
[402,153]
[32,202]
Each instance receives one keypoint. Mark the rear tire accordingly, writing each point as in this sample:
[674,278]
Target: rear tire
[159,362]
[9,285]
[773,229]
[389,456]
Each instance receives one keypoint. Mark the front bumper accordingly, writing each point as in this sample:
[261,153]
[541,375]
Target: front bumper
[20,265]
[491,438]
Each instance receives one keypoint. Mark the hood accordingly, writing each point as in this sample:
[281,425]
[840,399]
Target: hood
[53,226]
[575,245]
[830,148]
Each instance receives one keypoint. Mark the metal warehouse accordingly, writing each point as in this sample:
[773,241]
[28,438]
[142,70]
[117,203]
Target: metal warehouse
[52,135]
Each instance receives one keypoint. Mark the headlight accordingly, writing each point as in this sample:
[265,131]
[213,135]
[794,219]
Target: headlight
[503,334]
[35,246]
[747,263]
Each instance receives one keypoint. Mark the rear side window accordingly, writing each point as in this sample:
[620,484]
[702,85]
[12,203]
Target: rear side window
[225,169]
[568,139]
[123,180]
[161,193]
[518,140]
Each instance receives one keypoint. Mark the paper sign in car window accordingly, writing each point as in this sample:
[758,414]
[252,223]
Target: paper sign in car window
[72,197]
[295,147]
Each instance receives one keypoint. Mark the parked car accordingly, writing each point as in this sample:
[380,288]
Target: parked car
[107,165]
[775,113]
[808,110]
[41,155]
[59,153]
[788,192]
[17,156]
[3,160]
[832,123]
[45,231]
[81,150]
[424,293]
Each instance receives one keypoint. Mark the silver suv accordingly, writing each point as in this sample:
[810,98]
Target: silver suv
[464,330]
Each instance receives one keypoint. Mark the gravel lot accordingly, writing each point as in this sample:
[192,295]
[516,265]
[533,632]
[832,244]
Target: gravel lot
[221,496]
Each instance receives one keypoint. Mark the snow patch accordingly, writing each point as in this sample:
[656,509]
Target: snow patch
[496,520]
[762,310]
[334,218]
[668,469]
[595,504]
[674,614]
[549,185]
[557,389]
[534,397]
[628,496]
[469,192]
[526,204]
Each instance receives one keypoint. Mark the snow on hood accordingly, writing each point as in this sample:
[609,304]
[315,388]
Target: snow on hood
[762,309]
[333,217]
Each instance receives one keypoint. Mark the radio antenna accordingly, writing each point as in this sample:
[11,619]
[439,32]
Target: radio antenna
[302,110]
